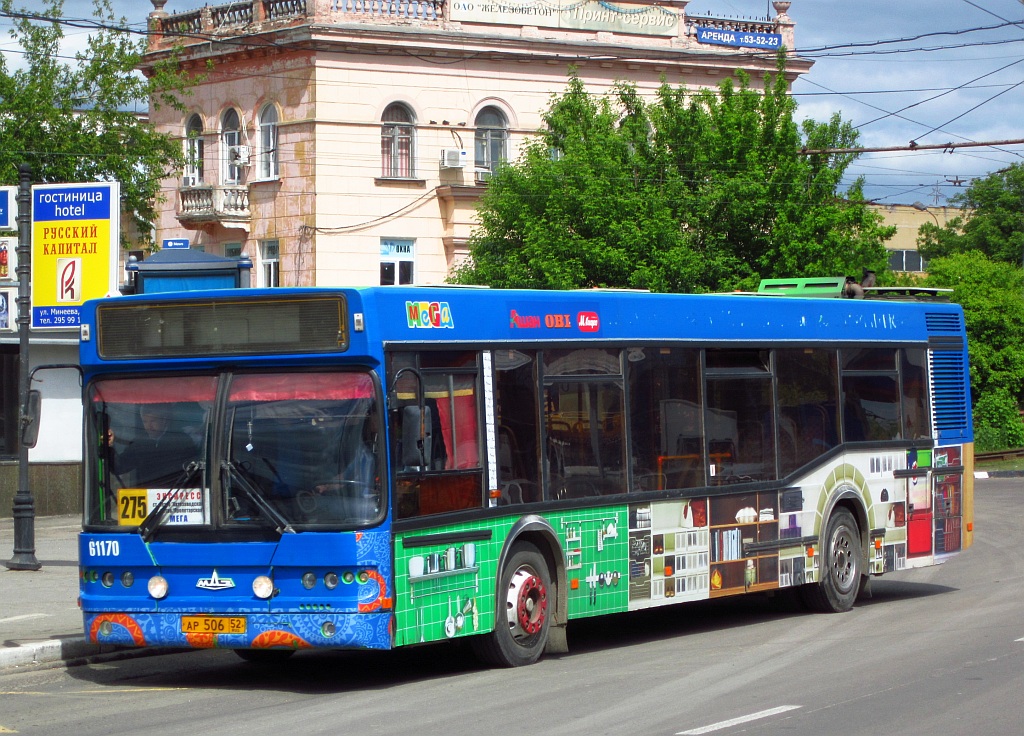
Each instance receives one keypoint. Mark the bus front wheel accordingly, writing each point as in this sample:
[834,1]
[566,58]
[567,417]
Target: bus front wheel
[840,568]
[523,609]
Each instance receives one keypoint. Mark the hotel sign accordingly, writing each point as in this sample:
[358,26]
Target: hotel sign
[580,15]
[75,234]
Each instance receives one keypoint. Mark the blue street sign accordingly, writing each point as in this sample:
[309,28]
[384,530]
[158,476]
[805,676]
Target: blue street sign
[720,37]
[172,243]
[8,208]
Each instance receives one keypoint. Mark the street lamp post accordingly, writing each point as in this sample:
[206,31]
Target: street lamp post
[24,511]
[922,207]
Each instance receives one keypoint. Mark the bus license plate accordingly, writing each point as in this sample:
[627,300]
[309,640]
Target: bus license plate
[212,625]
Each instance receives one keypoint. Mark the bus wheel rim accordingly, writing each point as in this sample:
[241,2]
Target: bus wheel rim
[843,559]
[527,603]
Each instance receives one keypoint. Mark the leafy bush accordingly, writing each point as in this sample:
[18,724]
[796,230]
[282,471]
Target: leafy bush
[997,422]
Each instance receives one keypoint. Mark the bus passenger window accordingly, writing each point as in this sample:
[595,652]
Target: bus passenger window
[871,400]
[808,391]
[515,390]
[739,421]
[436,448]
[665,418]
[916,418]
[584,450]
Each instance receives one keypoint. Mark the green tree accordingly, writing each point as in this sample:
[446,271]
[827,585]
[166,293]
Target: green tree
[72,121]
[992,220]
[693,191]
[990,294]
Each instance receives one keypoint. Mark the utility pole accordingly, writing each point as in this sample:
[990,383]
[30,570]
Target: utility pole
[24,509]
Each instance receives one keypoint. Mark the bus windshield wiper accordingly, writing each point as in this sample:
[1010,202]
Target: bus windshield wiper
[283,525]
[169,502]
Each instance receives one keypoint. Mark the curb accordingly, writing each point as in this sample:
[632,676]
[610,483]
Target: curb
[999,473]
[47,651]
[70,652]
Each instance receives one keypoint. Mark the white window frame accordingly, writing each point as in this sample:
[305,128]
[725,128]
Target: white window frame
[270,263]
[395,252]
[490,141]
[902,259]
[269,167]
[192,175]
[230,137]
[398,142]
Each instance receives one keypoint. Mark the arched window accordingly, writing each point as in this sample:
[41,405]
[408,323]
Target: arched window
[396,142]
[193,174]
[232,154]
[491,141]
[268,143]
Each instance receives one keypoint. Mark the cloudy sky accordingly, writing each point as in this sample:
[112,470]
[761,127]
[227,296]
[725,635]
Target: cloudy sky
[899,70]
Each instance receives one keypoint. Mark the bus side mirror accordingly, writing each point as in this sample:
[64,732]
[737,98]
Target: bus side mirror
[30,419]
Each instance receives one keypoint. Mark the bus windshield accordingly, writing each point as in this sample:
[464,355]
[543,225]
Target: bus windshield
[280,450]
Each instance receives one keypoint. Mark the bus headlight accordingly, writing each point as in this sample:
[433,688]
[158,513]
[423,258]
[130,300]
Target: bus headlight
[263,587]
[309,580]
[331,580]
[157,587]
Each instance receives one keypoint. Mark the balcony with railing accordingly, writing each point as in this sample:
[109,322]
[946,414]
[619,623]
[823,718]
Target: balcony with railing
[227,205]
[256,15]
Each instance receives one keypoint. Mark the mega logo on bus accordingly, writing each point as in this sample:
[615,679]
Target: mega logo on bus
[588,321]
[429,314]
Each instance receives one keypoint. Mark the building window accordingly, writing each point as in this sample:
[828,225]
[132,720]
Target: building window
[491,141]
[232,250]
[193,174]
[396,142]
[907,260]
[268,143]
[397,259]
[270,260]
[232,153]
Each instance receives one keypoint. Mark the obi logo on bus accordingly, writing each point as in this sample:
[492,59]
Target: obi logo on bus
[429,314]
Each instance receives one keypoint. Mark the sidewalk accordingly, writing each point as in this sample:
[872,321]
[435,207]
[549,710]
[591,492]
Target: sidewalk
[40,621]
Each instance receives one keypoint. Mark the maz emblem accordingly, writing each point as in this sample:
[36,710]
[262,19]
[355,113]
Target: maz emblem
[215,583]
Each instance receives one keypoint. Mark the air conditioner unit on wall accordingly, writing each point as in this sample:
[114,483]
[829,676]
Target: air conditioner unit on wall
[453,158]
[239,155]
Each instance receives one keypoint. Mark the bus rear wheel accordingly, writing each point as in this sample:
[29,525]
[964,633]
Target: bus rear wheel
[841,562]
[523,611]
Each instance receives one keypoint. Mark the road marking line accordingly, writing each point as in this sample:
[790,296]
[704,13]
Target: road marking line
[738,721]
[24,617]
[1021,639]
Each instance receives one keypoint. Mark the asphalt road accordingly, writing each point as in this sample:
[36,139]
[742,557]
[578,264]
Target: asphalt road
[934,651]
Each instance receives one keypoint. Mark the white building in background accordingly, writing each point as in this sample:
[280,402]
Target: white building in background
[348,141]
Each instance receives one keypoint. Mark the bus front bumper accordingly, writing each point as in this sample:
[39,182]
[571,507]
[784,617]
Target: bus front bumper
[306,630]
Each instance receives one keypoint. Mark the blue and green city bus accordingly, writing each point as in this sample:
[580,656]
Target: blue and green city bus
[282,469]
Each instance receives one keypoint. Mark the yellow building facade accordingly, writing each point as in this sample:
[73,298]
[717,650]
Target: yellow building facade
[908,219]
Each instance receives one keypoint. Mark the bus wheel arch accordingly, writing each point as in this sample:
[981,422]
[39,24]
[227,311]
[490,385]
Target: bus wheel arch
[530,598]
